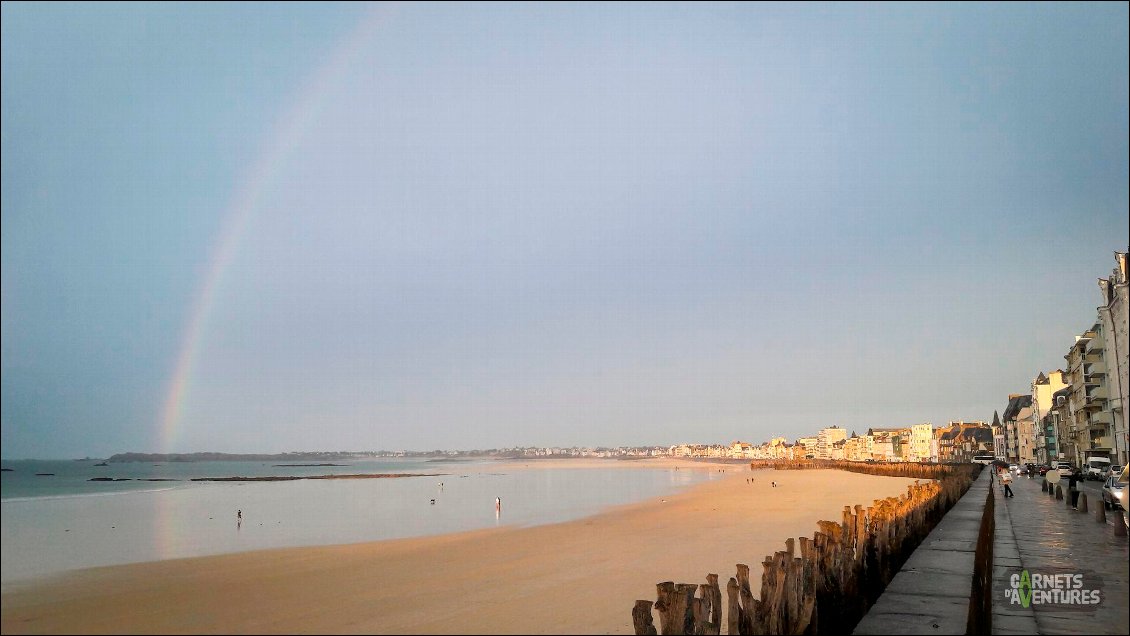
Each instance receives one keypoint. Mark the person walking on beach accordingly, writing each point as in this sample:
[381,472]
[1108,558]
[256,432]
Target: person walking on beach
[497,505]
[1006,481]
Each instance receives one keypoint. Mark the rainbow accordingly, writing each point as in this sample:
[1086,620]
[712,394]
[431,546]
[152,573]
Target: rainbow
[287,133]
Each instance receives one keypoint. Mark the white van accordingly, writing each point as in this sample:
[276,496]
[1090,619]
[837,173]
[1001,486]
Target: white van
[1096,468]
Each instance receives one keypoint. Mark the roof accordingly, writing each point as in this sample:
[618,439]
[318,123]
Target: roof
[978,434]
[1015,403]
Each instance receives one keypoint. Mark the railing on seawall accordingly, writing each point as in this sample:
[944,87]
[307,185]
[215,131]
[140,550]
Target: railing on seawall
[829,583]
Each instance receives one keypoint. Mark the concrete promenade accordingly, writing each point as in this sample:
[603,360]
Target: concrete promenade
[1048,534]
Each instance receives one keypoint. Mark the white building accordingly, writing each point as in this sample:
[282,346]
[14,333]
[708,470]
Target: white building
[826,438]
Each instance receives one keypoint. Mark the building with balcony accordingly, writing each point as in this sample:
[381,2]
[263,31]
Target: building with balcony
[826,438]
[1113,314]
[808,444]
[921,443]
[1044,388]
[1076,433]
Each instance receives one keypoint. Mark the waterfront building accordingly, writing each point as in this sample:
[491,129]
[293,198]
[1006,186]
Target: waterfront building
[1000,448]
[1077,432]
[1099,442]
[921,443]
[1044,388]
[961,441]
[1019,406]
[809,446]
[826,438]
[1113,314]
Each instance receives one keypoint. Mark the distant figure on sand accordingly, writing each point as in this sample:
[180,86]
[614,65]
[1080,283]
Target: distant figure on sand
[774,484]
[497,504]
[238,515]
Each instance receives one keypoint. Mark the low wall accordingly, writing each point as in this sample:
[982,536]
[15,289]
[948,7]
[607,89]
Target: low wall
[944,587]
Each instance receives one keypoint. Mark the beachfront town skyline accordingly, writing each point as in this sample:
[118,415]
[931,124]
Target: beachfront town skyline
[1068,415]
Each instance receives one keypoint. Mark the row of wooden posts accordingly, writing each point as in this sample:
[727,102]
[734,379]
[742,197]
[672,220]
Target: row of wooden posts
[829,583]
[912,470]
[1056,490]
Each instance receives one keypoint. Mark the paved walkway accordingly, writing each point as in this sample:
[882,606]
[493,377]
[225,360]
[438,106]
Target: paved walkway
[1037,532]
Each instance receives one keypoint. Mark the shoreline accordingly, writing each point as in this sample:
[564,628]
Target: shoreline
[578,576]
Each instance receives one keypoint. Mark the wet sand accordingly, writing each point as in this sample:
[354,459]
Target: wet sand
[580,576]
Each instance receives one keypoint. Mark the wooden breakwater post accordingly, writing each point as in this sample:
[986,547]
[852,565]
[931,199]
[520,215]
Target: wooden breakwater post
[641,618]
[835,577]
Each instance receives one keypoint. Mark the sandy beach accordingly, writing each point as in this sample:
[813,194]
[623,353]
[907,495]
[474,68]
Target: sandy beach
[581,576]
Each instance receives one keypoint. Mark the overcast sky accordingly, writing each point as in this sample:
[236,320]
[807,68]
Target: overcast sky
[275,227]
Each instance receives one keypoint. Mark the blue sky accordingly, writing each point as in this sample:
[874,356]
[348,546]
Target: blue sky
[599,224]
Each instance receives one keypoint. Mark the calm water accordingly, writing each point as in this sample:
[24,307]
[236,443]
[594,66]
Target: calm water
[64,522]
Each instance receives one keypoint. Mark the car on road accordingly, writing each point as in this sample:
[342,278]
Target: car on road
[1096,468]
[1114,471]
[1044,469]
[1023,470]
[1013,468]
[1064,469]
[1114,493]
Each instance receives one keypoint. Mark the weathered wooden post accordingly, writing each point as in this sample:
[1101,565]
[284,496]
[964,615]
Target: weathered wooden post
[642,620]
[1058,491]
[669,621]
[733,610]
[715,604]
[747,618]
[707,607]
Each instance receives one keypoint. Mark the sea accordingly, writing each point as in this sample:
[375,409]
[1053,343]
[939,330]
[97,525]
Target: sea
[54,519]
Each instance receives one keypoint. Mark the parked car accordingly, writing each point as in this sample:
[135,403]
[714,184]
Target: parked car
[1114,493]
[1044,469]
[1114,471]
[1064,469]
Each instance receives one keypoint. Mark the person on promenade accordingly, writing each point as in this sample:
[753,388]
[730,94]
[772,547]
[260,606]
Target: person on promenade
[1006,481]
[1073,487]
